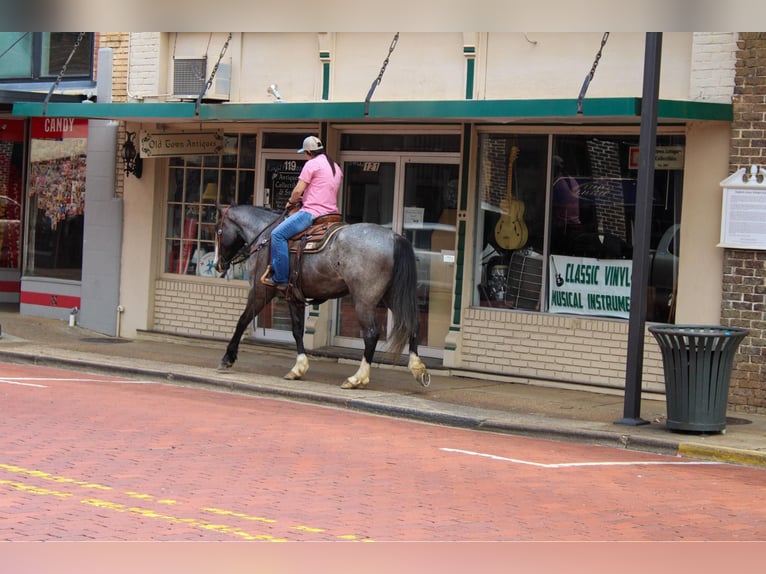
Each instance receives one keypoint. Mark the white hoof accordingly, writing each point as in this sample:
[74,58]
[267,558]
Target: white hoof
[419,370]
[300,368]
[360,379]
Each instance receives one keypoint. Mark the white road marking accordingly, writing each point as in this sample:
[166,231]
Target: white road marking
[575,464]
[16,382]
[20,381]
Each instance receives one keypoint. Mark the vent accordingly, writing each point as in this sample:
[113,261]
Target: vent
[190,77]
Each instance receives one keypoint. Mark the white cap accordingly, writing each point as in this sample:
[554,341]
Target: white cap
[311,143]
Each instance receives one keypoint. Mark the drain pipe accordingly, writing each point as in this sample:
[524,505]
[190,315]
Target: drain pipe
[120,311]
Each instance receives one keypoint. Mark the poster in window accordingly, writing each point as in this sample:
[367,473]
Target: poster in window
[281,178]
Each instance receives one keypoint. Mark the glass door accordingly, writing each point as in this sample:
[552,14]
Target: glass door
[280,173]
[416,196]
[429,217]
[368,195]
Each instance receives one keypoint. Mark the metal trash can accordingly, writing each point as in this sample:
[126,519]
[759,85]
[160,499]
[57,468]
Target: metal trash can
[697,361]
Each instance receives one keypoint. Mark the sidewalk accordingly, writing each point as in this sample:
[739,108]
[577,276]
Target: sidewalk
[537,411]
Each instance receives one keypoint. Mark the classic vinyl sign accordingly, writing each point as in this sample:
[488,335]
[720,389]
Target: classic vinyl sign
[585,286]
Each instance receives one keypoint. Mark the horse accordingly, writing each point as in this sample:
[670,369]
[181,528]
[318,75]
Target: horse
[370,262]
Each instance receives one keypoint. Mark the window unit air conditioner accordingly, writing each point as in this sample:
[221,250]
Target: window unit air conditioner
[190,76]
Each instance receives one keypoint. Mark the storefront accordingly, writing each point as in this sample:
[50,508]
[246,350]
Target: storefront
[520,208]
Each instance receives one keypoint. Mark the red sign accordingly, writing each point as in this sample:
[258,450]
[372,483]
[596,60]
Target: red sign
[59,128]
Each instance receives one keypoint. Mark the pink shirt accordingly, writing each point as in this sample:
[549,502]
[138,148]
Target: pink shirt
[321,195]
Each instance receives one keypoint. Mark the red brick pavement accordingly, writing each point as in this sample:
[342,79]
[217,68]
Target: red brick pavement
[124,460]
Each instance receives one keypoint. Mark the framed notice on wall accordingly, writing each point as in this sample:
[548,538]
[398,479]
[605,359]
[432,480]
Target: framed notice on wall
[743,214]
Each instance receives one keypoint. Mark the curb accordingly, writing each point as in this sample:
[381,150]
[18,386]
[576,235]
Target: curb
[723,454]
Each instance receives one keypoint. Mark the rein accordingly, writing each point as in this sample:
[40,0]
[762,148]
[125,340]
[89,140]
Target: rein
[247,249]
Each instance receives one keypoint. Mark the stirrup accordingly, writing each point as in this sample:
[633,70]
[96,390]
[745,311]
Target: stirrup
[267,279]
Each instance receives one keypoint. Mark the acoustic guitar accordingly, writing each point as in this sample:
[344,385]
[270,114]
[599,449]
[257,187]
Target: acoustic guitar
[510,231]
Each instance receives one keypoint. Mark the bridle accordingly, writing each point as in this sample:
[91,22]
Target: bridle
[244,252]
[221,264]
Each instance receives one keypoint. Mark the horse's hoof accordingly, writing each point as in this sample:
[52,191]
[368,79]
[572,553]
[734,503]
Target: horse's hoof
[349,384]
[224,367]
[425,379]
[291,376]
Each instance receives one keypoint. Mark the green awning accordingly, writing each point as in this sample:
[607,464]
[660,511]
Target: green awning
[595,110]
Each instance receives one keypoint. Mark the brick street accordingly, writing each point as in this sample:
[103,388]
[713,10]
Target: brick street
[92,457]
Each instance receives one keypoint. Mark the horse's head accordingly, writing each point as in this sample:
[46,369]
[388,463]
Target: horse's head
[228,240]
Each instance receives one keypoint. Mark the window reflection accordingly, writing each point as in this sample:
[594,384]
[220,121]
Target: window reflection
[589,186]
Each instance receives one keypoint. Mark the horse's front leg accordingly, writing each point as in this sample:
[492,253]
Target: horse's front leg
[298,320]
[253,307]
[370,333]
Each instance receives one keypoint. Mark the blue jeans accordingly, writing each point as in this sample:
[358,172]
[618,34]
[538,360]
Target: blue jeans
[280,257]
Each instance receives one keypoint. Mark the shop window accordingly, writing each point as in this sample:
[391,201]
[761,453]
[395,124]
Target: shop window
[589,184]
[58,152]
[11,196]
[196,185]
[30,56]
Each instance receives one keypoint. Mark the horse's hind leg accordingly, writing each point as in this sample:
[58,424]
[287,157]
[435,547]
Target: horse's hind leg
[370,334]
[416,366]
[298,319]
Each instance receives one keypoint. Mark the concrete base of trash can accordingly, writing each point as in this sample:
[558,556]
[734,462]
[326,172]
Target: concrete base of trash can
[697,361]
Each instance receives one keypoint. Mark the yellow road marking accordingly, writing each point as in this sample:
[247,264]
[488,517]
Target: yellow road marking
[222,528]
[238,515]
[117,507]
[34,489]
[52,477]
[307,529]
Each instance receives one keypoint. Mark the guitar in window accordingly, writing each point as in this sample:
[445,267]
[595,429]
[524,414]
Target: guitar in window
[510,231]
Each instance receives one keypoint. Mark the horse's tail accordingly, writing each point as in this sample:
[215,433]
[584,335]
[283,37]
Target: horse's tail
[403,296]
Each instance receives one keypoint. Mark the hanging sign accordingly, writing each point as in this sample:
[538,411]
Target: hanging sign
[665,157]
[743,217]
[162,144]
[586,286]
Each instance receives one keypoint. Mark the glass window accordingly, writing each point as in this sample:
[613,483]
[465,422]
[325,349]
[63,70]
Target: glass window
[196,185]
[36,55]
[11,194]
[583,241]
[58,153]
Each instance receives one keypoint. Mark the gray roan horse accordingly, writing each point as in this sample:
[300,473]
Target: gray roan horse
[370,262]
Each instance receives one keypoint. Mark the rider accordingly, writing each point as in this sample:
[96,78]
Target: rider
[317,187]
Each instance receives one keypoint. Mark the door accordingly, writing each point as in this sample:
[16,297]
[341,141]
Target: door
[416,195]
[280,173]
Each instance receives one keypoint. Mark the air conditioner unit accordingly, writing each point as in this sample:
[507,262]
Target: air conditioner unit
[190,76]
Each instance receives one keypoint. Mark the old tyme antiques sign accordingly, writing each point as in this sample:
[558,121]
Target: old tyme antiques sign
[162,144]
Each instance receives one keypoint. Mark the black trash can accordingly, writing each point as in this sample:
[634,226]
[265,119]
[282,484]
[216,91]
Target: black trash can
[697,361]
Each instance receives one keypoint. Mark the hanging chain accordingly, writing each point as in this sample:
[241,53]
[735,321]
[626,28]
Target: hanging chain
[592,73]
[377,80]
[63,71]
[212,75]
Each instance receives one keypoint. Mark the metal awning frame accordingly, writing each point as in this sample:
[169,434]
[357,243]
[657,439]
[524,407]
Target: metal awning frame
[595,110]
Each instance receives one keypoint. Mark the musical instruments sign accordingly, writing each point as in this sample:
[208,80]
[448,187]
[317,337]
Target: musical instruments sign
[585,286]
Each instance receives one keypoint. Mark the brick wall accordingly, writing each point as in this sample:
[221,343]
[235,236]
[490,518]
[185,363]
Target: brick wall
[198,310]
[564,349]
[744,291]
[714,55]
[119,42]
